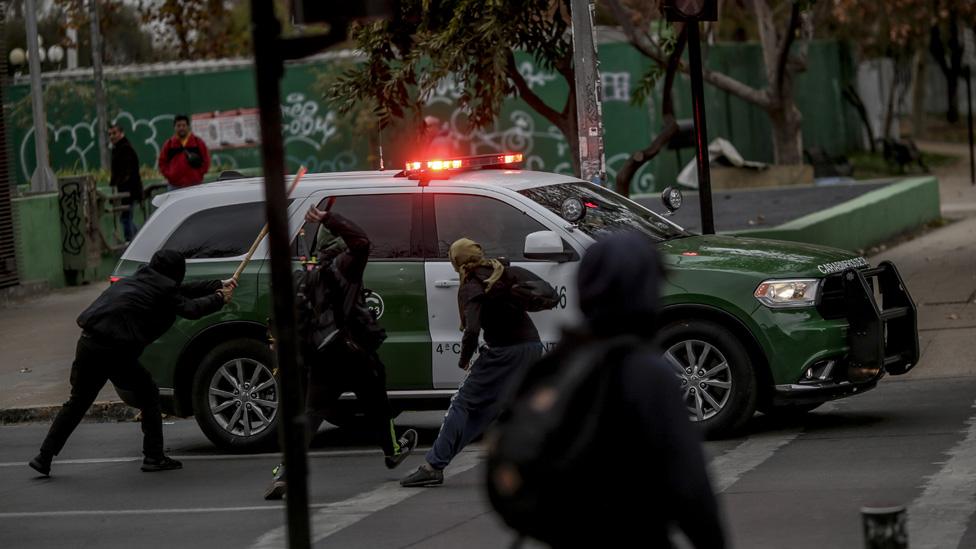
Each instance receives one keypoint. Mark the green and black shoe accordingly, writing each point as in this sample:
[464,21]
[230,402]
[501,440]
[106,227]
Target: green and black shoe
[407,442]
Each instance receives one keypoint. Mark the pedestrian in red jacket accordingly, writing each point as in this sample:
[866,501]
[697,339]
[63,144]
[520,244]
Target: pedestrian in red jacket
[184,159]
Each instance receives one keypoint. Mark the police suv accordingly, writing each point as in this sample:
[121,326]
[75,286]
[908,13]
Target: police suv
[746,323]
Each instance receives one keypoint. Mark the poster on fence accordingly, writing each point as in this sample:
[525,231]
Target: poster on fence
[228,129]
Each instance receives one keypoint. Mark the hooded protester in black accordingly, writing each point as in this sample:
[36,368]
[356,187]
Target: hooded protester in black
[136,310]
[648,469]
[116,328]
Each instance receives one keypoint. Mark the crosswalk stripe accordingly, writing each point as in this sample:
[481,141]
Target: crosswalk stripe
[729,467]
[940,514]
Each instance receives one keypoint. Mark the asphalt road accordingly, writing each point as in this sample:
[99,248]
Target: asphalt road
[794,484]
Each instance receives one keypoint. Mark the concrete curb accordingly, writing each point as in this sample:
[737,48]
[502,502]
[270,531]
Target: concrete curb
[863,221]
[101,412]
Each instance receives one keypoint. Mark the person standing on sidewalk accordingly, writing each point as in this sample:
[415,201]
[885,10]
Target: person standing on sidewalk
[340,338]
[116,328]
[512,344]
[184,158]
[125,177]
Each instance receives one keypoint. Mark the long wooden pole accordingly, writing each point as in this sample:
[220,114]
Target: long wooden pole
[264,230]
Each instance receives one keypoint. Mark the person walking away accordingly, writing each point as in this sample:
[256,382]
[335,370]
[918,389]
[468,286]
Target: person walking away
[596,449]
[340,339]
[125,177]
[116,328]
[512,344]
[184,158]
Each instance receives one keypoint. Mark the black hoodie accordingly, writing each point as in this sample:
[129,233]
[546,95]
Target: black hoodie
[649,471]
[136,310]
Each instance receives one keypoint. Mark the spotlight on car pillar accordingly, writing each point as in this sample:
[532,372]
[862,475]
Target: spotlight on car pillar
[573,209]
[671,197]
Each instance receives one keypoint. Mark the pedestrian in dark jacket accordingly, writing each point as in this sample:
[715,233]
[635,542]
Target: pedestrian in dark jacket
[341,354]
[125,177]
[184,158]
[645,471]
[116,328]
[511,344]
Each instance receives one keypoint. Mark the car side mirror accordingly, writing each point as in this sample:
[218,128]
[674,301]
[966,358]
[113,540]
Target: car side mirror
[547,246]
[671,197]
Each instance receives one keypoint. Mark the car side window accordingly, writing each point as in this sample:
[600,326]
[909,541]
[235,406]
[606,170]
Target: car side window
[224,231]
[499,228]
[387,220]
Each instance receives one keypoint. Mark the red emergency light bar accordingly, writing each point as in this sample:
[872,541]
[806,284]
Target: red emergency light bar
[430,167]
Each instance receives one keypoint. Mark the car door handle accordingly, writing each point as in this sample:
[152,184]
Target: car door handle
[447,283]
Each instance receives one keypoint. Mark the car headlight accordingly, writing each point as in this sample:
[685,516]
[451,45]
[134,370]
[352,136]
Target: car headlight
[781,294]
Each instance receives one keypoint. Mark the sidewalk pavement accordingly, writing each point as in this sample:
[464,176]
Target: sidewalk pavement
[39,335]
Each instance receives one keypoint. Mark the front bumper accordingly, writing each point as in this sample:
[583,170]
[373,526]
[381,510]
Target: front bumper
[882,336]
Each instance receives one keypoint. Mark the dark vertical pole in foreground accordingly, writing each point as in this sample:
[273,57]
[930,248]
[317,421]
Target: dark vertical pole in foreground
[701,132]
[969,102]
[268,69]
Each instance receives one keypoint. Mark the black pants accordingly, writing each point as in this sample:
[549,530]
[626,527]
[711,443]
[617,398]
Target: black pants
[95,363]
[339,369]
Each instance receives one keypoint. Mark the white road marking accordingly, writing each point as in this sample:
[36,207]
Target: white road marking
[197,457]
[117,512]
[729,467]
[333,517]
[940,514]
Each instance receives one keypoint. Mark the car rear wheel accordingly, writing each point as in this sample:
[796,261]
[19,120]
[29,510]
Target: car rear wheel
[718,379]
[235,396]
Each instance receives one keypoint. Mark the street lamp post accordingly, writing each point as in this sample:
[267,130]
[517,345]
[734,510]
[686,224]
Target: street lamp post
[101,112]
[43,178]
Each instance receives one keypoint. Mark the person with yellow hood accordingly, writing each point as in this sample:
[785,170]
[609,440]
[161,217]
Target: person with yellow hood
[511,344]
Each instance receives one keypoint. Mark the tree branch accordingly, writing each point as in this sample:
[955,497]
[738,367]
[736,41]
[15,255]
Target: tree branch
[784,52]
[529,96]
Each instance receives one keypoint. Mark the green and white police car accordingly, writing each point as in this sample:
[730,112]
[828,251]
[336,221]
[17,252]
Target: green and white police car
[746,324]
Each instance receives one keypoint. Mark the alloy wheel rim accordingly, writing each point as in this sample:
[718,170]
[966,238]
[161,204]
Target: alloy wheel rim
[243,397]
[705,377]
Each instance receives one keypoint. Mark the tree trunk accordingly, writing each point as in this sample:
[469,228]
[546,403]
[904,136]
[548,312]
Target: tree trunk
[787,135]
[918,93]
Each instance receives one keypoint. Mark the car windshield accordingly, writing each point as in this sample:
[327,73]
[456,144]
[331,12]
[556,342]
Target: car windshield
[606,211]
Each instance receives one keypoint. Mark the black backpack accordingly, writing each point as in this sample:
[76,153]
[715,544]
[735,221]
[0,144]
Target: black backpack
[526,290]
[545,440]
[317,323]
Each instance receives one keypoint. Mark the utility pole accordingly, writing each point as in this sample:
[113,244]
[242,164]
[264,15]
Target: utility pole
[589,107]
[43,179]
[100,109]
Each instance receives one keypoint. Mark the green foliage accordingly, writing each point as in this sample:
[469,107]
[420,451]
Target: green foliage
[667,38]
[465,45]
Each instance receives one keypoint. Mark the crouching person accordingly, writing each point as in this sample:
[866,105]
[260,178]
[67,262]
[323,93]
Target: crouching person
[116,328]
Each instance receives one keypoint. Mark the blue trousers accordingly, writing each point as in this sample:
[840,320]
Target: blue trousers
[129,228]
[478,400]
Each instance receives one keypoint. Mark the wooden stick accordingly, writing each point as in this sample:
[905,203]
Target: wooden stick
[264,230]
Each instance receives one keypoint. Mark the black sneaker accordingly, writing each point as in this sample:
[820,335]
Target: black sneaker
[278,486]
[423,477]
[407,442]
[42,464]
[151,465]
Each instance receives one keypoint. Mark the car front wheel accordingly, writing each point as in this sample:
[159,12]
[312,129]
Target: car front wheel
[235,396]
[717,377]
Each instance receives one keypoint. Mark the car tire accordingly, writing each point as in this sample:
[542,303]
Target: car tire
[718,378]
[236,396]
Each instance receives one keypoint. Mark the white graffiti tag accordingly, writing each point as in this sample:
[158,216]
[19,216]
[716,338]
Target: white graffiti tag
[302,122]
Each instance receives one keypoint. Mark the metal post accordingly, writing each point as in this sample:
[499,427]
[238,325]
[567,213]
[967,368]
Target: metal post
[701,132]
[885,527]
[589,109]
[969,102]
[43,178]
[268,69]
[100,109]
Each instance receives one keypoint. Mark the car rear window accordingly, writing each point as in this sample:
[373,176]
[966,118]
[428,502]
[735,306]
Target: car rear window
[225,231]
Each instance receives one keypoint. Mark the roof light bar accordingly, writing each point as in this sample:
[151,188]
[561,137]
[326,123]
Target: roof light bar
[462,163]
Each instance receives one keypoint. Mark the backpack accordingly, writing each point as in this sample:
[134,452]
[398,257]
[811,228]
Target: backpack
[318,325]
[546,438]
[526,290]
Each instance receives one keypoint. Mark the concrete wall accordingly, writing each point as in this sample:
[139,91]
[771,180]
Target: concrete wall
[38,221]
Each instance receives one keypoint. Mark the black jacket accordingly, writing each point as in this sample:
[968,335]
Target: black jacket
[503,322]
[648,471]
[135,311]
[125,170]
